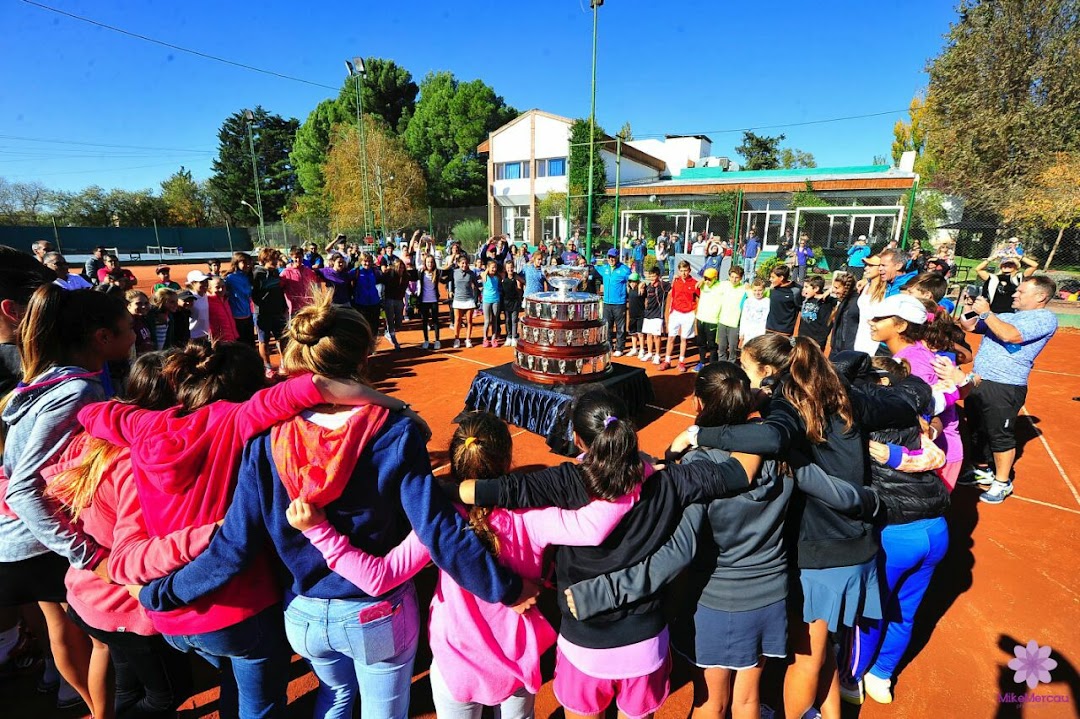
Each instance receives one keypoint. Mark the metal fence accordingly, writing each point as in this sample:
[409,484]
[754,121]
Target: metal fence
[437,221]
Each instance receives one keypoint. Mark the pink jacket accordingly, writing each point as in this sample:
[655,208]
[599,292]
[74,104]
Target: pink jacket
[298,284]
[222,324]
[184,468]
[485,652]
[115,511]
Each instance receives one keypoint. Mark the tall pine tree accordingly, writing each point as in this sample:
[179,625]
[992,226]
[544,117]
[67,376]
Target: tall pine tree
[233,179]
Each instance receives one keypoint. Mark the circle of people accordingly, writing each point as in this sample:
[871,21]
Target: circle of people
[182,506]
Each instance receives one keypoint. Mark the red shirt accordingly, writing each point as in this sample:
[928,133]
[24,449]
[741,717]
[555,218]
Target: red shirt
[684,294]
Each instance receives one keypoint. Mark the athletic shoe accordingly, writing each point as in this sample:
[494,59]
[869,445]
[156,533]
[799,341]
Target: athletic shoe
[487,343]
[425,345]
[852,693]
[616,353]
[438,345]
[656,360]
[698,367]
[457,344]
[512,342]
[468,343]
[645,357]
[977,476]
[767,712]
[878,689]
[997,493]
[665,365]
[682,366]
[811,713]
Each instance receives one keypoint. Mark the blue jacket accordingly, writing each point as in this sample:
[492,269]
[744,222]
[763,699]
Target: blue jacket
[857,254]
[614,279]
[365,291]
[391,488]
[239,287]
[894,287]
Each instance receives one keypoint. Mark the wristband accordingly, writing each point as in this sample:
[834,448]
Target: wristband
[692,433]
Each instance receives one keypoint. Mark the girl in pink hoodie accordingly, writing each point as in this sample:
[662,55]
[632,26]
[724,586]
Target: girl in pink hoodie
[184,462]
[222,324]
[483,654]
[92,480]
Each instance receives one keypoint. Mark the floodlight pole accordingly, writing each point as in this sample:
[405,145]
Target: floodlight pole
[356,71]
[249,120]
[595,4]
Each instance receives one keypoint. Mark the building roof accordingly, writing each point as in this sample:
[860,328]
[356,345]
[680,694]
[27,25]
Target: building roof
[708,180]
[706,138]
[631,153]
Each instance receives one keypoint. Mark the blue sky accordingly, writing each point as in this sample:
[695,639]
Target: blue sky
[681,66]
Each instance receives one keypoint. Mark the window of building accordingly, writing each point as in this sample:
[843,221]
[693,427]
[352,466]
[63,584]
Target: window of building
[551,167]
[512,170]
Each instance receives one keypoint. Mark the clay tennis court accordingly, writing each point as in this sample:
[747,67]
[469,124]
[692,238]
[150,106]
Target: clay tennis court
[1009,576]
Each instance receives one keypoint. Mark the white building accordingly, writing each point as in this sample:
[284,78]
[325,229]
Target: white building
[528,158]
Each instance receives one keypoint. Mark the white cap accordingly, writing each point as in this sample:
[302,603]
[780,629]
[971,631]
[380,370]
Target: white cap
[197,276]
[905,307]
[862,237]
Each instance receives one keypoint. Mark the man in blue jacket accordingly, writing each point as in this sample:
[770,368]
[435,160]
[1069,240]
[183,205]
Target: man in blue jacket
[856,257]
[614,275]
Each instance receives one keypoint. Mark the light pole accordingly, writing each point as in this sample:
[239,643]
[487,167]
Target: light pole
[249,120]
[595,5]
[382,205]
[356,71]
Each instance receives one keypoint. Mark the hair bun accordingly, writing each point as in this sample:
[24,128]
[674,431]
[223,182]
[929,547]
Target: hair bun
[311,324]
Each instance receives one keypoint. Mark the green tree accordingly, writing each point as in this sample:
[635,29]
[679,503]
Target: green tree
[760,152]
[24,203]
[135,208]
[451,119]
[185,205]
[578,178]
[1004,94]
[388,92]
[312,143]
[233,181]
[792,157]
[88,207]
[910,136]
[625,132]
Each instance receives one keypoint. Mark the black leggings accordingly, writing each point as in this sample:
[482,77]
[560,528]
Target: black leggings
[429,315]
[371,313]
[152,678]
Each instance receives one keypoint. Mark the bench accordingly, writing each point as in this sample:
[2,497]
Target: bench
[163,251]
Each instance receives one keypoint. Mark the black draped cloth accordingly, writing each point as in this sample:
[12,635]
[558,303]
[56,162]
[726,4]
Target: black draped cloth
[546,410]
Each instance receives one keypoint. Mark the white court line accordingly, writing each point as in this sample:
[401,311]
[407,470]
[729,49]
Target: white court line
[1046,504]
[1053,457]
[671,411]
[1050,371]
[466,359]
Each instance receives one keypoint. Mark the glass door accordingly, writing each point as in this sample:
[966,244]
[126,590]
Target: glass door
[774,229]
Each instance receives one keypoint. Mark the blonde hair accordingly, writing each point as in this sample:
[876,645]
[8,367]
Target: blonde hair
[329,340]
[161,294]
[481,448]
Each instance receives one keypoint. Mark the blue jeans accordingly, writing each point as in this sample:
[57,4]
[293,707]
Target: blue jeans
[749,264]
[909,553]
[373,660]
[253,657]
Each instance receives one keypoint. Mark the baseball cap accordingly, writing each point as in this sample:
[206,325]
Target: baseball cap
[185,295]
[612,252]
[161,268]
[905,307]
[197,276]
[635,277]
[710,273]
[862,237]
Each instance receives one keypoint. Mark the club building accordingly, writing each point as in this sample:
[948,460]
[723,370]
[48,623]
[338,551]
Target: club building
[527,158]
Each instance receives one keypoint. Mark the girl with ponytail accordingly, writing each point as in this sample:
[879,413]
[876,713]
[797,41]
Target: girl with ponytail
[65,340]
[368,470]
[812,411]
[184,462]
[483,654]
[620,655]
[92,480]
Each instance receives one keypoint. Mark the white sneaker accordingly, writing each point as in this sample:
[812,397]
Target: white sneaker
[468,343]
[878,689]
[425,345]
[645,357]
[438,345]
[616,353]
[656,359]
[997,493]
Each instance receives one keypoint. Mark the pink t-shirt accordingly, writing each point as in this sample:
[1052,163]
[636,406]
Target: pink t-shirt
[485,652]
[921,358]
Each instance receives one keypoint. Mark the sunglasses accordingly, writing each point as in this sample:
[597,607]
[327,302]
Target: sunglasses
[872,264]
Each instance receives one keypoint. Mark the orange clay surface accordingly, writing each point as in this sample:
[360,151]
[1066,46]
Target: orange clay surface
[1010,575]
